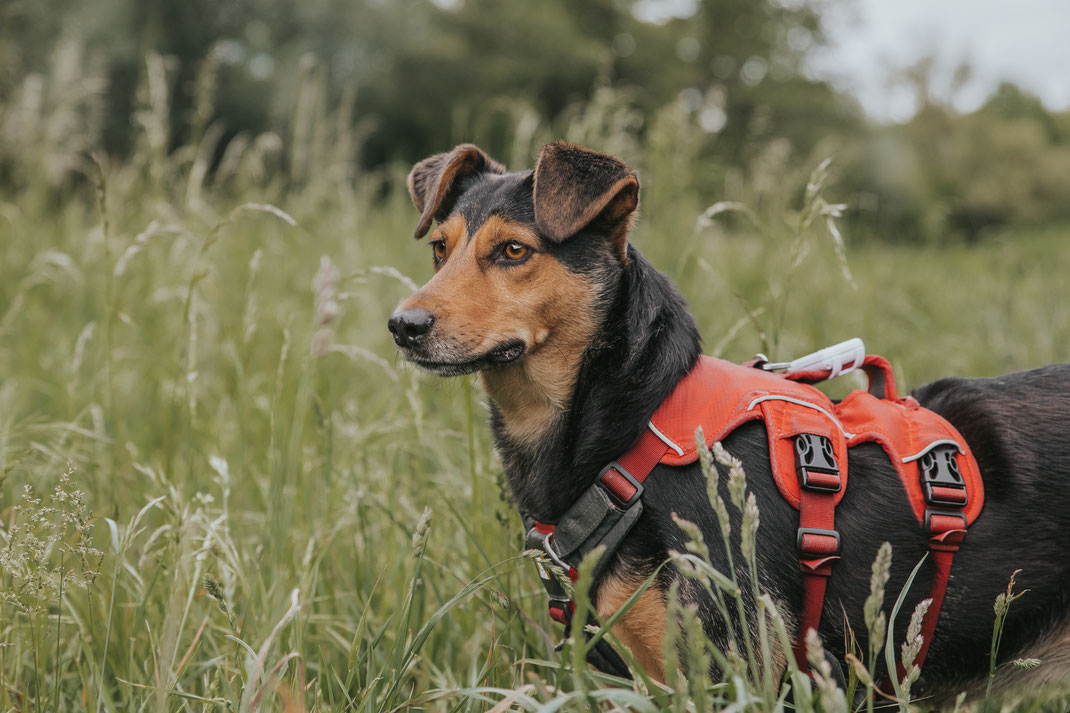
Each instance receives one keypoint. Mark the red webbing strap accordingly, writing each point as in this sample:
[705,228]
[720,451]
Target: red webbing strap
[644,455]
[639,460]
[946,533]
[818,544]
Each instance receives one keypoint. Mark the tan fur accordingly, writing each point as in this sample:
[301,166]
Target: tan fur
[778,656]
[478,306]
[642,628]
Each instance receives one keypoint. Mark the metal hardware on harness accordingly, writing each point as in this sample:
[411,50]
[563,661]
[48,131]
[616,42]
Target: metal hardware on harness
[617,482]
[941,481]
[816,463]
[548,548]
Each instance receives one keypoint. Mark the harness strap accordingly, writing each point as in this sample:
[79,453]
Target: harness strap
[644,455]
[602,515]
[607,510]
[946,534]
[817,540]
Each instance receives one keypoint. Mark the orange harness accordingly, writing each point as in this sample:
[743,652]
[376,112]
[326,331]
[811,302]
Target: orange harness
[809,436]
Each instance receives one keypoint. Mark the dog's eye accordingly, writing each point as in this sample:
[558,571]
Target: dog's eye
[515,251]
[438,248]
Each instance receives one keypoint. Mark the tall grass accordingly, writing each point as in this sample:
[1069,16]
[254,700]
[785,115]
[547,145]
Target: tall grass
[218,480]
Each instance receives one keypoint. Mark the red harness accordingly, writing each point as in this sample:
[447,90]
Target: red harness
[809,436]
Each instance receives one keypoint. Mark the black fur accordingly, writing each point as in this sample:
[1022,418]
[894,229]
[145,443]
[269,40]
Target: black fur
[1016,426]
[647,343]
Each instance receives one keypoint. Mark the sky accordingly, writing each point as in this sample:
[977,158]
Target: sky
[1026,41]
[1023,41]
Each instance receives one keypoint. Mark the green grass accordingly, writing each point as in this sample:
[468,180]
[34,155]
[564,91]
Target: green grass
[238,497]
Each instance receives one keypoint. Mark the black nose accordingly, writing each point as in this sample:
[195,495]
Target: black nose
[409,326]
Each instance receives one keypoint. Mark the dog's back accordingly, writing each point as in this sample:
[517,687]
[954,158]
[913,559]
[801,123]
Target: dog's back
[1017,426]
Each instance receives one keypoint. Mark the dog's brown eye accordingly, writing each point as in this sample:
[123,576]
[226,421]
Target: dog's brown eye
[516,251]
[439,248]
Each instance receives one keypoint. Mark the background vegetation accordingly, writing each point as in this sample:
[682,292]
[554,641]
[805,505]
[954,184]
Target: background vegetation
[410,77]
[218,487]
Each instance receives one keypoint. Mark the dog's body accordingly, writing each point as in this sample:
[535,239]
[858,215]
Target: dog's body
[578,340]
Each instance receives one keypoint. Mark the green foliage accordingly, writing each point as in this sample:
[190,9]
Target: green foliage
[946,177]
[1001,607]
[428,74]
[243,521]
[396,81]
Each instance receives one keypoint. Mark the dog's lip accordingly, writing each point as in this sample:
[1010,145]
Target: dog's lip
[507,352]
[500,355]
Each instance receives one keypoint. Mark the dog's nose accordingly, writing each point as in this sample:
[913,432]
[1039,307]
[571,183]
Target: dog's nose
[410,325]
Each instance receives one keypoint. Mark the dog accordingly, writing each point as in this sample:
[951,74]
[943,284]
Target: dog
[577,340]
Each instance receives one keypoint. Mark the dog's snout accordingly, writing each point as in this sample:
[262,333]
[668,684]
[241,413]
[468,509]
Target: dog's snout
[410,325]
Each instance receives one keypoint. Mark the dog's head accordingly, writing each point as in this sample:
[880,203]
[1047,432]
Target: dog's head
[524,265]
[518,257]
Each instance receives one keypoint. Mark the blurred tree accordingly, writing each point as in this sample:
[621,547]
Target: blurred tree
[431,73]
[698,93]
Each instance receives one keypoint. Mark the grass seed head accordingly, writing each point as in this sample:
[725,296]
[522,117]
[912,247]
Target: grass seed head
[737,479]
[419,536]
[876,621]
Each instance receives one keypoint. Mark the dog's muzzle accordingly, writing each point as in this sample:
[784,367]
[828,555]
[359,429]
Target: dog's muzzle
[410,326]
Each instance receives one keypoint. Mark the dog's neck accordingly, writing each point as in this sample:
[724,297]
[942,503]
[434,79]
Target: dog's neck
[593,413]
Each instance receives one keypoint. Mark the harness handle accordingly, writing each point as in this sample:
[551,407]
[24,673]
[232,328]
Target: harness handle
[881,377]
[877,369]
[837,360]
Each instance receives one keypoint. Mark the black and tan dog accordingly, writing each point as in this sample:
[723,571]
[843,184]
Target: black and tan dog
[578,339]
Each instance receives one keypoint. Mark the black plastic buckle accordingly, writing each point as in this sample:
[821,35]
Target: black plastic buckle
[815,460]
[816,531]
[939,469]
[624,505]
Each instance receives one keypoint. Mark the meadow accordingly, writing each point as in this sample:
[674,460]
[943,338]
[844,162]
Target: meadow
[220,489]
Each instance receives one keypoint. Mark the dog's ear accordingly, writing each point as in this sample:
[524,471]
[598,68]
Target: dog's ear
[433,182]
[574,186]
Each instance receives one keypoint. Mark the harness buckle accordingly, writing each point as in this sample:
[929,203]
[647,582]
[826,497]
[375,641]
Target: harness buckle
[814,542]
[621,486]
[938,521]
[816,462]
[941,480]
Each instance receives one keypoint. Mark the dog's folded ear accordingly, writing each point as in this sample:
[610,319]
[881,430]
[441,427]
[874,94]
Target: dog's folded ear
[434,182]
[574,186]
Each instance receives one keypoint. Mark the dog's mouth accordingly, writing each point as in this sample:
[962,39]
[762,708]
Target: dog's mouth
[502,354]
[507,352]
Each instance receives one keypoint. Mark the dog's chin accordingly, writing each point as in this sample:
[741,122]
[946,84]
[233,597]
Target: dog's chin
[501,355]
